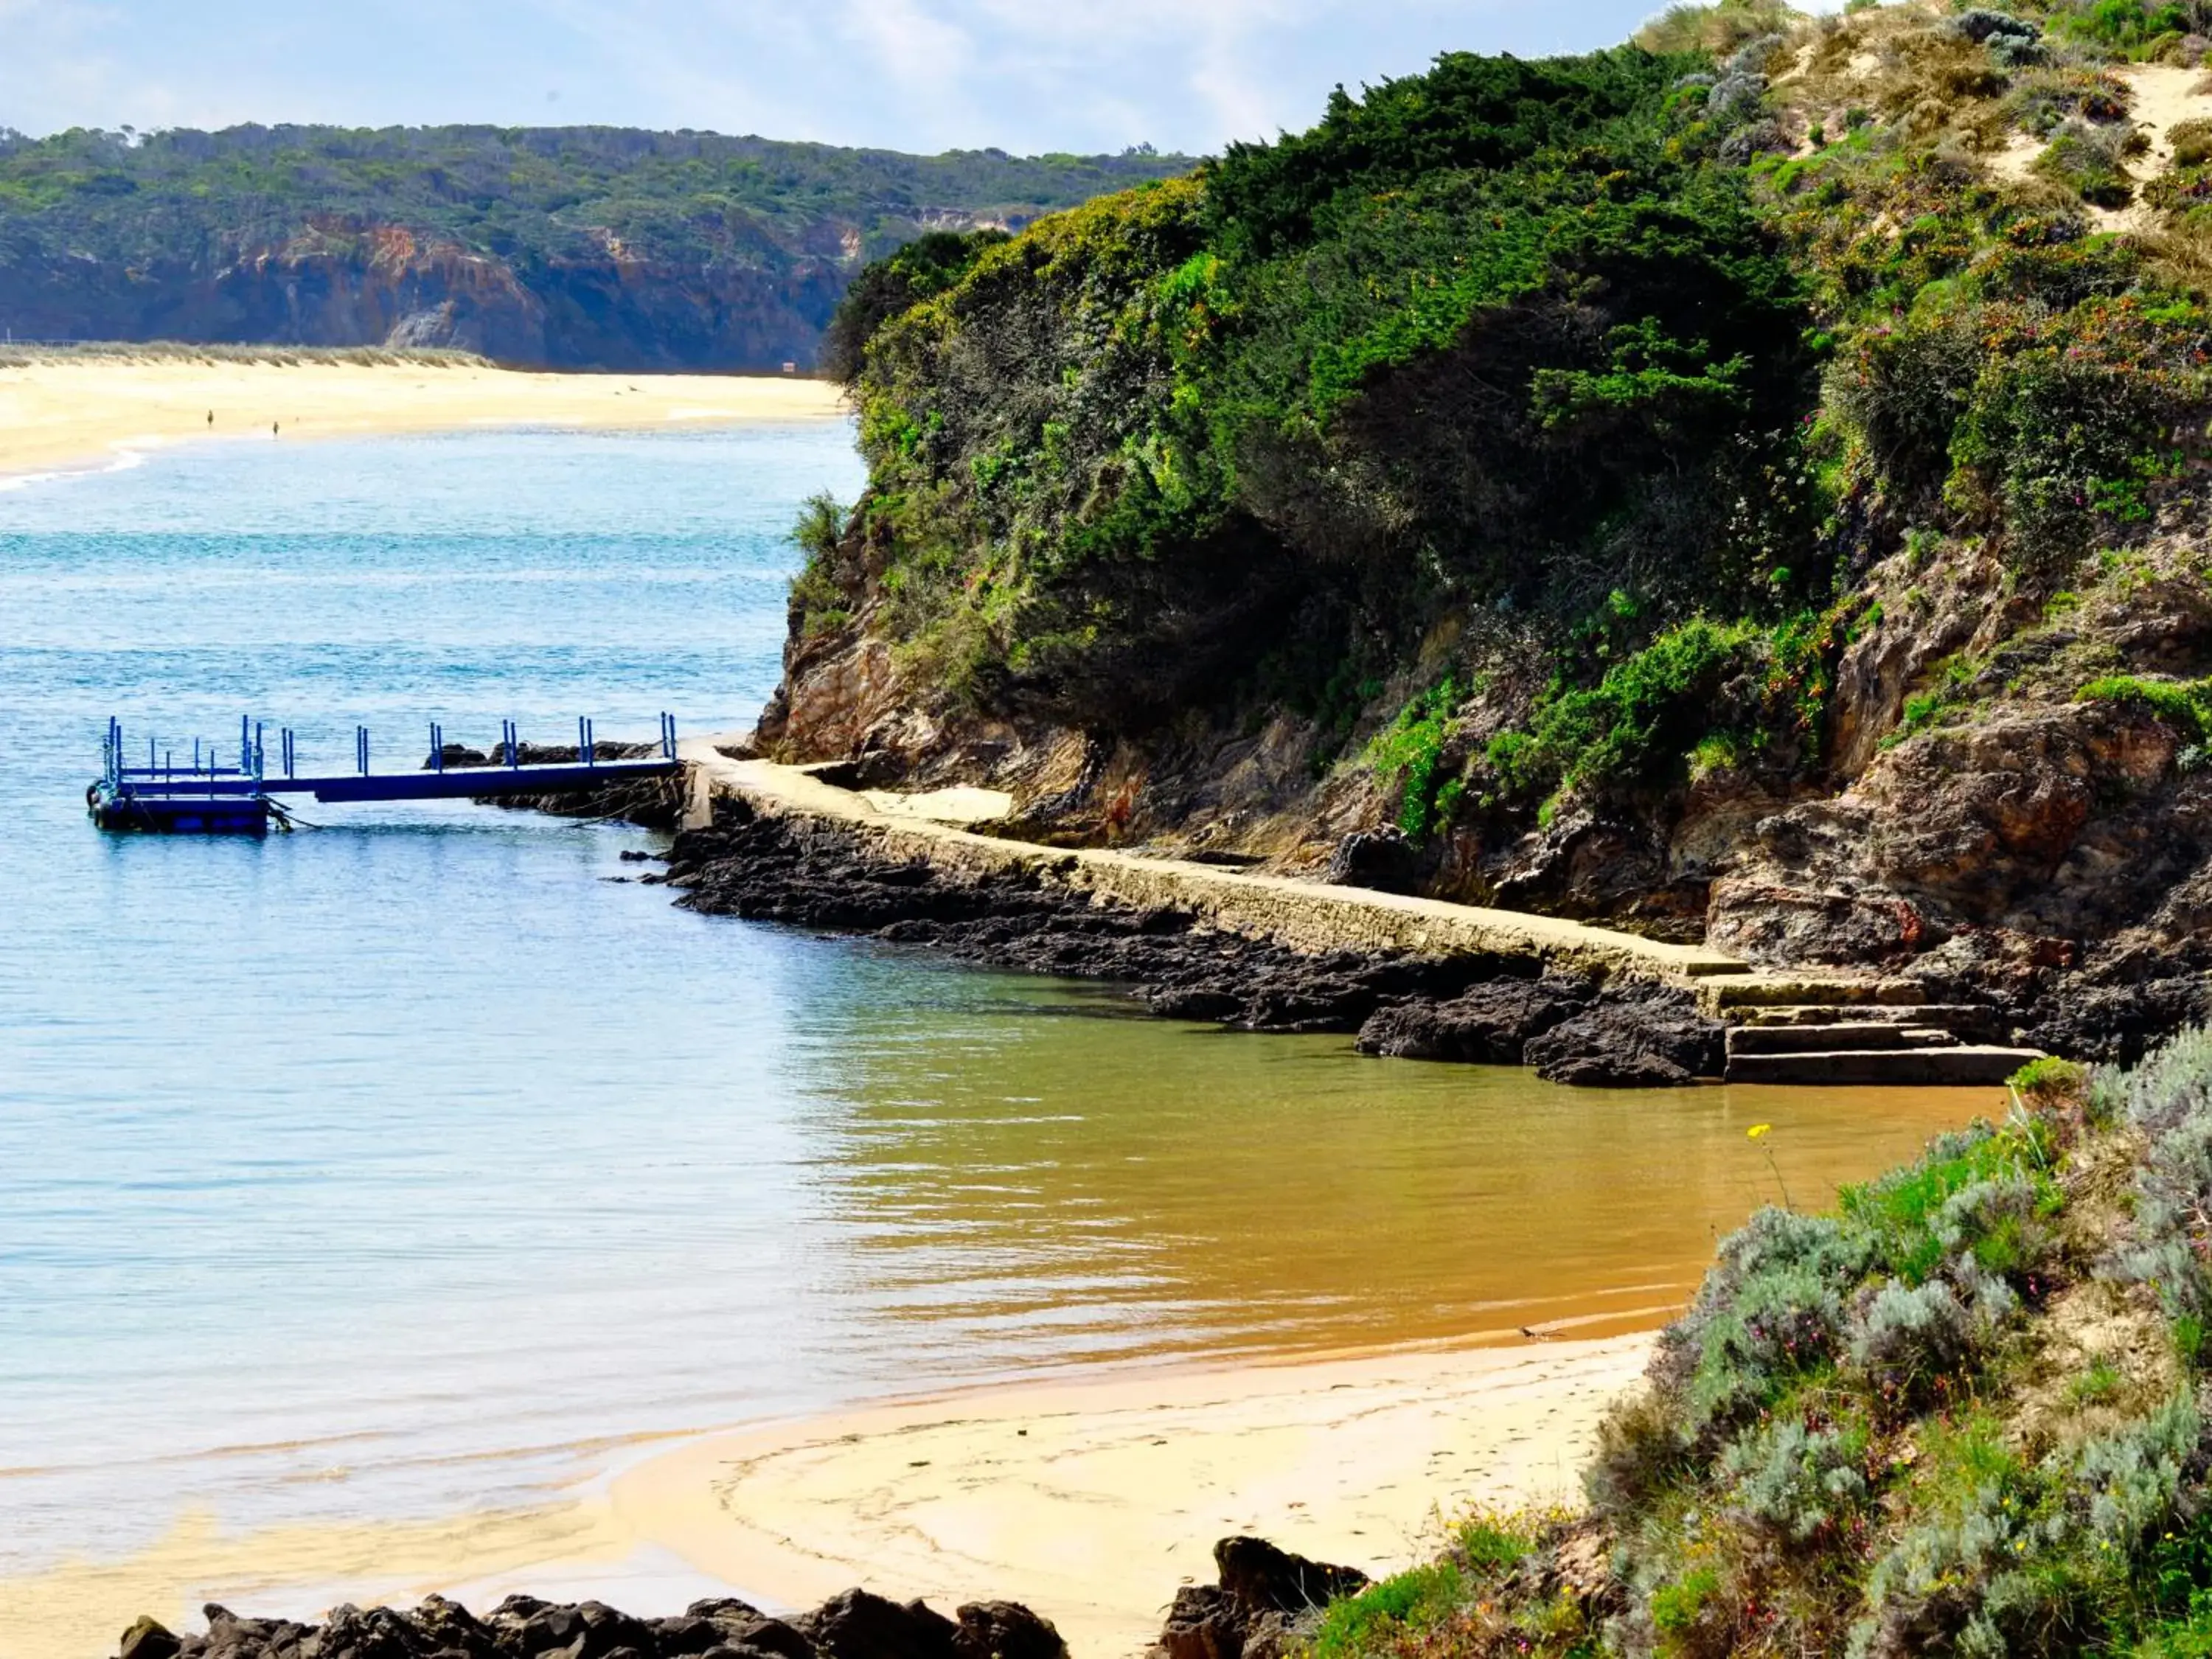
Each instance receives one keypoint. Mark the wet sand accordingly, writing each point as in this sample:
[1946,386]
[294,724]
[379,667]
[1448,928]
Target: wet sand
[66,414]
[1090,1501]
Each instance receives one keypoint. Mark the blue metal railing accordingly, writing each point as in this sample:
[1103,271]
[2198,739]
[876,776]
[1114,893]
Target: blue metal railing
[205,774]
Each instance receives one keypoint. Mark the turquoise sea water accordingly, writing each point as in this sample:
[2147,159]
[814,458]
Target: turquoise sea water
[392,1167]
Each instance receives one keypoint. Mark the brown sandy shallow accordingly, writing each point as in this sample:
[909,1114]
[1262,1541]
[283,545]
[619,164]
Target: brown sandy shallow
[1090,1500]
[61,415]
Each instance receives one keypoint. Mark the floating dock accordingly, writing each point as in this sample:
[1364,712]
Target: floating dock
[205,797]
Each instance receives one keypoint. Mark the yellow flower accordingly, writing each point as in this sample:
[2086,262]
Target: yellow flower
[1757,1130]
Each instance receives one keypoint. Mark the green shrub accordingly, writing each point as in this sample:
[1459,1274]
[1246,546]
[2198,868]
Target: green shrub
[2082,160]
[2128,26]
[2191,140]
[2186,706]
[1409,756]
[817,598]
[2066,442]
[1405,1602]
[1792,1483]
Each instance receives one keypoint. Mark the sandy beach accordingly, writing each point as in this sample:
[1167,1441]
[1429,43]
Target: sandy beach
[1091,1500]
[64,414]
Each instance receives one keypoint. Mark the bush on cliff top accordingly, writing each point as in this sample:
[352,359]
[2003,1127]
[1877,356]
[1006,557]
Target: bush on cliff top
[1503,335]
[1966,1412]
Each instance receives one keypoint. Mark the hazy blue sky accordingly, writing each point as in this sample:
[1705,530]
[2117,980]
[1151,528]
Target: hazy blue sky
[928,75]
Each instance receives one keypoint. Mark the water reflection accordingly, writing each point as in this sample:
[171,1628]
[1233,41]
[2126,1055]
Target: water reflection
[1080,1187]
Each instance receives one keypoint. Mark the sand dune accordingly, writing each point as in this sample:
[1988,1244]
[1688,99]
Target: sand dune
[67,412]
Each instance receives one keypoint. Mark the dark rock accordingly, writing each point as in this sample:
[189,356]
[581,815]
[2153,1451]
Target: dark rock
[815,874]
[1384,859]
[854,1626]
[759,1634]
[857,1624]
[1488,1025]
[549,1628]
[351,1633]
[1638,1036]
[1259,1578]
[686,1635]
[149,1640]
[1193,1002]
[1264,1605]
[1202,1623]
[1006,1630]
[2117,1024]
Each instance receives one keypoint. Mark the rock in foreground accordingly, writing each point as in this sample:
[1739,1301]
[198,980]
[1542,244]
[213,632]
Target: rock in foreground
[854,1626]
[1267,1603]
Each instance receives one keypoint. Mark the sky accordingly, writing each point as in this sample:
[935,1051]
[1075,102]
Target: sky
[1024,76]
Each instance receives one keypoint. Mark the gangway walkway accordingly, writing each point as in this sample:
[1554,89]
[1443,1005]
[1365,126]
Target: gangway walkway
[205,797]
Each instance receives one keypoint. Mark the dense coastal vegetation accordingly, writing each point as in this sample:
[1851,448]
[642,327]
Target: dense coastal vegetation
[1564,467]
[529,243]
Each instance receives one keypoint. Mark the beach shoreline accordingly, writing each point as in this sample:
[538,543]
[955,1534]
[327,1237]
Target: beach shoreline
[1089,1499]
[64,415]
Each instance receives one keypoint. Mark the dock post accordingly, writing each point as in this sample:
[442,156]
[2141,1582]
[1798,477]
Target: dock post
[246,746]
[437,747]
[259,754]
[361,749]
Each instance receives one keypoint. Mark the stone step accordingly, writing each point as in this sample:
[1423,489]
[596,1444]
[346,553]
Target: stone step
[1855,1036]
[1973,1064]
[1731,991]
[1944,1014]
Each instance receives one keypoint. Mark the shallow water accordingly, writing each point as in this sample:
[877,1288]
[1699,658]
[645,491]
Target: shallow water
[390,1169]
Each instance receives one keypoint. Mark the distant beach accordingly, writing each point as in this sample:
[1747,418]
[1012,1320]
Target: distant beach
[65,412]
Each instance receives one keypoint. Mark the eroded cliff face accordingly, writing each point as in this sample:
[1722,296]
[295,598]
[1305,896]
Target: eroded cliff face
[384,285]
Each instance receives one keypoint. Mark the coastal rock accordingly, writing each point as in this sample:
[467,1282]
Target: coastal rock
[149,1638]
[858,1625]
[854,1626]
[1202,1623]
[1259,1577]
[1264,1605]
[1639,1036]
[1385,860]
[810,873]
[1005,1630]
[1488,1025]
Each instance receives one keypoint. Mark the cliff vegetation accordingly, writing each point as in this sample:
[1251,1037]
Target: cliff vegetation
[1744,485]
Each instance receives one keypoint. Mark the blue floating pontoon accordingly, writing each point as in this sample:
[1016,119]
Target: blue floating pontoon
[204,797]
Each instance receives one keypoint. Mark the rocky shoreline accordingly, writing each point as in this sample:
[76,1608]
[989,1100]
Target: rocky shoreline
[1266,1602]
[1486,1007]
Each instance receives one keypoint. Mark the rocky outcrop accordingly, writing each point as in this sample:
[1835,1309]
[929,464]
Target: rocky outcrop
[1266,1603]
[854,1626]
[1490,1024]
[810,871]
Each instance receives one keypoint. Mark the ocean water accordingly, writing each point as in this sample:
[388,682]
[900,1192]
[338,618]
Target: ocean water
[404,1165]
